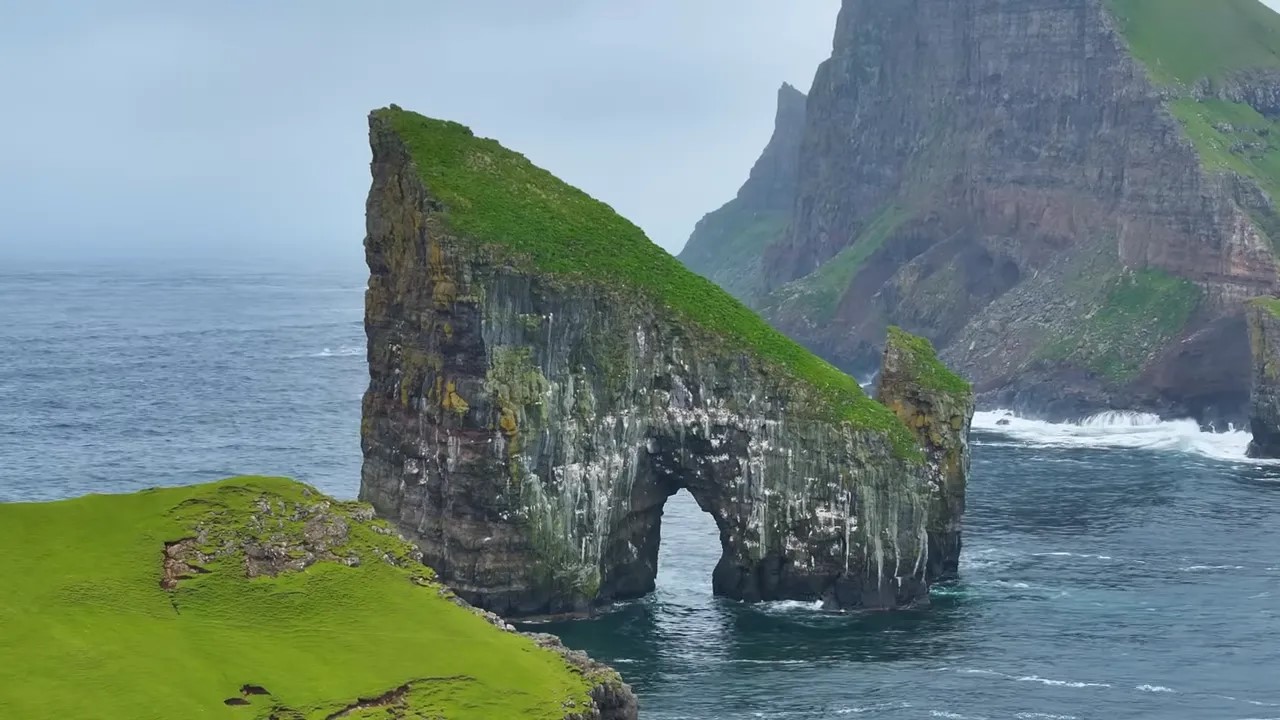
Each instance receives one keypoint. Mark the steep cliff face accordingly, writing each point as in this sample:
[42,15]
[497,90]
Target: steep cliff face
[542,378]
[1070,198]
[1264,340]
[938,406]
[727,245]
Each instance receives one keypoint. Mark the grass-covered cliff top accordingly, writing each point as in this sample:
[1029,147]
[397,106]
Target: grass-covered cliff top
[496,196]
[923,364]
[97,624]
[1270,304]
[1182,41]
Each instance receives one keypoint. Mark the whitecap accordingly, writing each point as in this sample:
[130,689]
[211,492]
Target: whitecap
[1155,689]
[1060,683]
[873,708]
[1201,568]
[792,606]
[341,351]
[1115,429]
[1043,716]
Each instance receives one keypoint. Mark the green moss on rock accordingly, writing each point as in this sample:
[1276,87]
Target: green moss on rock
[1139,313]
[923,367]
[820,292]
[1270,304]
[499,199]
[248,598]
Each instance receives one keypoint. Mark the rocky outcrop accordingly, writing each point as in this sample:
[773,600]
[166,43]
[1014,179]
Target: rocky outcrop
[727,245]
[530,410]
[938,406]
[1070,217]
[1264,340]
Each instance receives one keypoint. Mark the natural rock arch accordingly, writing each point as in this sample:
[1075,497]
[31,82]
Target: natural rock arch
[526,428]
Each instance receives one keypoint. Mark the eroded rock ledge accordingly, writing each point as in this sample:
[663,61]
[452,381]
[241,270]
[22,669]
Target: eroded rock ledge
[525,425]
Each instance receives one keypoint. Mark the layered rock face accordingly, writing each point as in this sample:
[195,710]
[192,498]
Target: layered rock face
[1264,340]
[525,422]
[938,407]
[1070,211]
[727,245]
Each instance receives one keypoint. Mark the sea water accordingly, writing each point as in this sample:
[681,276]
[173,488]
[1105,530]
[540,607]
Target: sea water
[1121,567]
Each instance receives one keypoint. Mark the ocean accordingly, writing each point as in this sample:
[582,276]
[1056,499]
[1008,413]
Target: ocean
[1118,568]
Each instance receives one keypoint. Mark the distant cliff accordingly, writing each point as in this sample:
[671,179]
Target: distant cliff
[1071,204]
[543,378]
[728,245]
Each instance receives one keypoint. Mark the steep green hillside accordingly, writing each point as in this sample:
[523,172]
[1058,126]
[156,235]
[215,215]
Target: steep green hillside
[495,196]
[732,242]
[1183,41]
[818,294]
[101,621]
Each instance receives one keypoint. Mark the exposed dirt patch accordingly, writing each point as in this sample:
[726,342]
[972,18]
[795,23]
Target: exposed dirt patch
[180,562]
[394,700]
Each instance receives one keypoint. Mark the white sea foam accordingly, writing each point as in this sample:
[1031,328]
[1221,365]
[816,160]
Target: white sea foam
[1043,716]
[340,351]
[873,708]
[1202,568]
[1061,683]
[1035,678]
[792,606]
[1155,689]
[1121,430]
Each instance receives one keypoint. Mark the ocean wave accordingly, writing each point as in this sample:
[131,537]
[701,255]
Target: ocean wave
[341,351]
[1061,683]
[873,708]
[1043,716]
[1128,430]
[790,606]
[1202,568]
[1034,678]
[1154,689]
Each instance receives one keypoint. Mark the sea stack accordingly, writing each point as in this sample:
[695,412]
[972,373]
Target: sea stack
[543,378]
[1264,341]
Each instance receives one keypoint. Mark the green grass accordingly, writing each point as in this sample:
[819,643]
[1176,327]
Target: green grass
[496,197]
[727,246]
[821,290]
[1140,312]
[1270,304]
[1183,41]
[926,369]
[86,631]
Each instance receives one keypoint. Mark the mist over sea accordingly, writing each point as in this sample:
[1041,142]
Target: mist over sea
[1118,568]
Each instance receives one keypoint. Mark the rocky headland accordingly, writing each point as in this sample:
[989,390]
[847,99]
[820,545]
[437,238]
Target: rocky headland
[261,599]
[543,378]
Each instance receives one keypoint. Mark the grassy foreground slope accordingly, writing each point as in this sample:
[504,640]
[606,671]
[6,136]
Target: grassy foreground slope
[88,631]
[497,197]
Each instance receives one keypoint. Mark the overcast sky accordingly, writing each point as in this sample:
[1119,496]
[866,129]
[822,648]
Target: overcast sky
[238,128]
